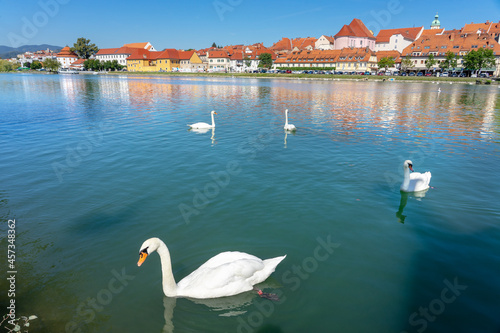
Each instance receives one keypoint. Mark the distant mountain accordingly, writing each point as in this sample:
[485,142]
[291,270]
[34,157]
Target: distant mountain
[7,52]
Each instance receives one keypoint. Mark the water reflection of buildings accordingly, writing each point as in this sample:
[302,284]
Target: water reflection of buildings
[459,111]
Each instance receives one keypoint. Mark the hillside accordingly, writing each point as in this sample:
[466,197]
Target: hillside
[7,52]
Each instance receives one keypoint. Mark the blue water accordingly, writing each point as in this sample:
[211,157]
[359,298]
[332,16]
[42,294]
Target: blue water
[94,165]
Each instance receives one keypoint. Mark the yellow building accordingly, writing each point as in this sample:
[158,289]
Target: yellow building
[153,61]
[191,62]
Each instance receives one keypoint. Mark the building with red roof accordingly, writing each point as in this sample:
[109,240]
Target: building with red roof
[348,59]
[396,39]
[459,43]
[66,57]
[121,54]
[356,34]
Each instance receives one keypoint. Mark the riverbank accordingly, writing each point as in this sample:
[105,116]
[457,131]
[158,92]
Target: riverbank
[323,77]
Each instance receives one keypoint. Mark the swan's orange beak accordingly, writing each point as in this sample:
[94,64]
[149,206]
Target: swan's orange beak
[215,112]
[142,257]
[411,167]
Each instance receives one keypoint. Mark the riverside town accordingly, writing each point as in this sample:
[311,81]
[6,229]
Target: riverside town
[428,50]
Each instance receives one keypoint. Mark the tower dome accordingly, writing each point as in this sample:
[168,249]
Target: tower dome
[436,24]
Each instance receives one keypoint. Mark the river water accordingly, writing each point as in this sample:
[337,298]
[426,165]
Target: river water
[94,165]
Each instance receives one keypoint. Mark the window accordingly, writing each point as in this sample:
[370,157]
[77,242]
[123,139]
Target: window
[456,46]
[474,46]
[426,47]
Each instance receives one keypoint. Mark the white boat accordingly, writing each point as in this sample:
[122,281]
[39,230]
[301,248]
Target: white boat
[68,71]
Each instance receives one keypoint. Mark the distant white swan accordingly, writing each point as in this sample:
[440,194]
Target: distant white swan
[226,274]
[204,125]
[415,181]
[288,127]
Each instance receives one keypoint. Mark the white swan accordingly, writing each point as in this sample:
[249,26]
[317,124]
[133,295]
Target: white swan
[415,181]
[204,125]
[226,274]
[288,127]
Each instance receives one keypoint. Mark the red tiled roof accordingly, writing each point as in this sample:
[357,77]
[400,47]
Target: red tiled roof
[218,54]
[384,36]
[283,44]
[392,53]
[453,42]
[355,29]
[138,45]
[165,54]
[139,54]
[432,32]
[185,55]
[66,53]
[106,51]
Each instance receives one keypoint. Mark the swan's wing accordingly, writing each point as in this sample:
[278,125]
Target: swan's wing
[420,181]
[227,257]
[200,125]
[224,280]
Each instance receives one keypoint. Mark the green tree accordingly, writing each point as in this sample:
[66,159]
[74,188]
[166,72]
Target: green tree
[407,63]
[386,62]
[51,64]
[36,65]
[266,60]
[93,64]
[449,62]
[431,61]
[214,45]
[84,49]
[7,66]
[27,64]
[476,60]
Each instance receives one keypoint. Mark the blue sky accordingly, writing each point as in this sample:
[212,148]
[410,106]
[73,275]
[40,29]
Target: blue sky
[197,24]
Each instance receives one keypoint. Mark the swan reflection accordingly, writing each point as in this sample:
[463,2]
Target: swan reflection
[286,135]
[203,131]
[404,200]
[230,306]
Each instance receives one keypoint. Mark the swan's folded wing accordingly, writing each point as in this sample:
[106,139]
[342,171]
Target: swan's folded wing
[229,278]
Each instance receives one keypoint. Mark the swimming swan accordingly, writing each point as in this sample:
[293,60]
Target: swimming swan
[204,125]
[226,274]
[415,181]
[288,127]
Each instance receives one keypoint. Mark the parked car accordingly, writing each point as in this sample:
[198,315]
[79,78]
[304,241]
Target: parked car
[404,74]
[380,73]
[411,74]
[484,75]
[420,74]
[428,74]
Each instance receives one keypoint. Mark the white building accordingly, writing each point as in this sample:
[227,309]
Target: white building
[396,39]
[122,53]
[66,57]
[324,43]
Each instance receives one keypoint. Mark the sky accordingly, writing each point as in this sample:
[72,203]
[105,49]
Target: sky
[199,23]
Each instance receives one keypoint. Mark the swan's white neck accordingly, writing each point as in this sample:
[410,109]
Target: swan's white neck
[213,122]
[406,179]
[168,281]
[286,118]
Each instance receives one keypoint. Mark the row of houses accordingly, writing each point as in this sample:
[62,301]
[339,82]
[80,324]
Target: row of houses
[353,48]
